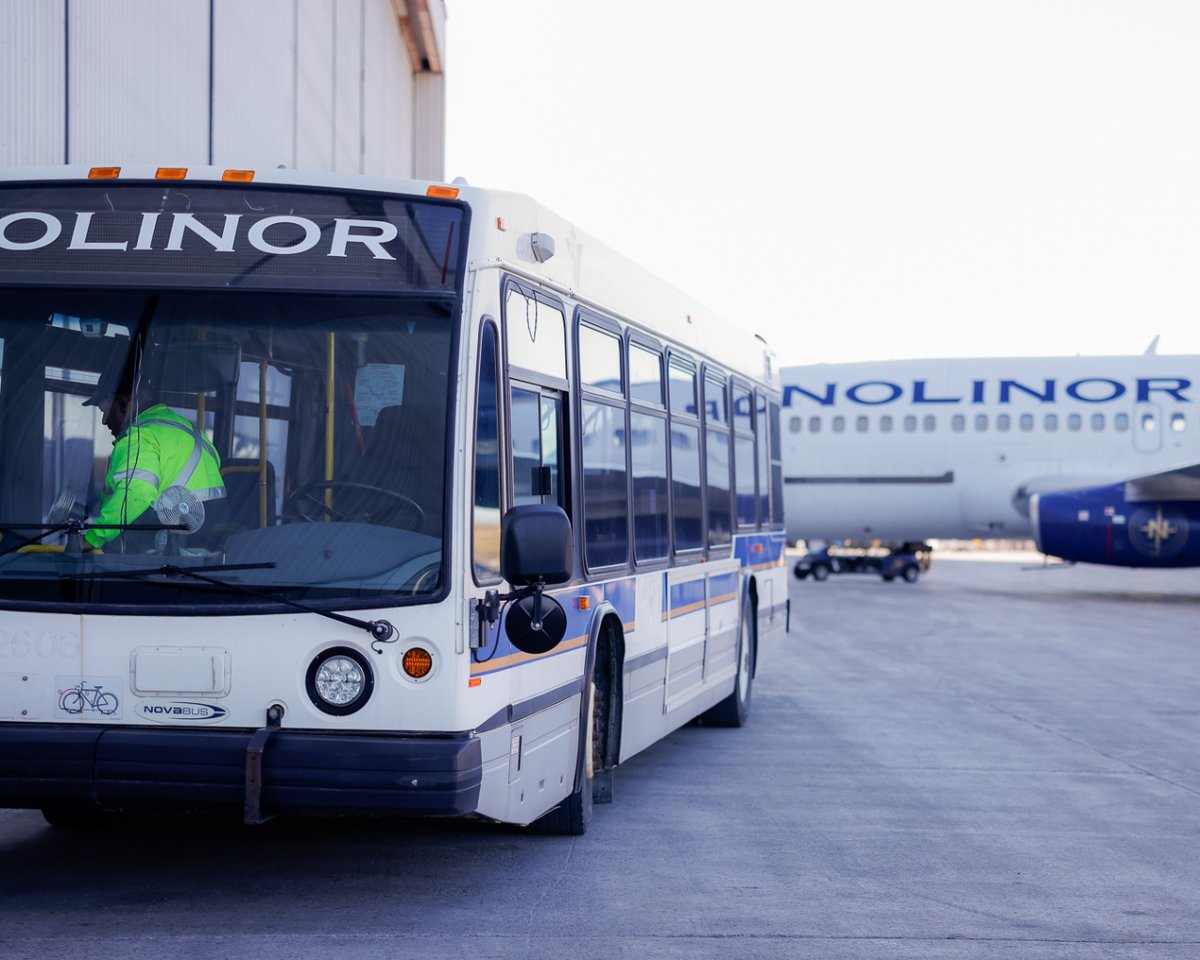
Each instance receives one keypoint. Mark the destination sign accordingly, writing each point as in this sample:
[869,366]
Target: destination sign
[228,236]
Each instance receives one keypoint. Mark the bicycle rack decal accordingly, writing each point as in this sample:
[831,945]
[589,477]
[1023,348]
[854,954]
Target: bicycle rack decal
[88,698]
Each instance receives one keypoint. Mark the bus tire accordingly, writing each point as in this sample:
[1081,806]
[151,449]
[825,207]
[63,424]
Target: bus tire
[734,710]
[572,815]
[76,816]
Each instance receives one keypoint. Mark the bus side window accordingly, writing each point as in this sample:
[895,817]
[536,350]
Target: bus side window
[761,440]
[648,445]
[776,465]
[717,474]
[648,454]
[743,455]
[686,499]
[486,514]
[535,429]
[605,505]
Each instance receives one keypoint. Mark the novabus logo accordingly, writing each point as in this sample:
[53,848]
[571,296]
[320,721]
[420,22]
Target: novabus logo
[180,711]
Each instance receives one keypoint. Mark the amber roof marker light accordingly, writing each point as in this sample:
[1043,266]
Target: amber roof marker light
[104,173]
[445,193]
[171,173]
[238,176]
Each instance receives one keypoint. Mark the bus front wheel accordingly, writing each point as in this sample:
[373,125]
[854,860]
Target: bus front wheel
[571,817]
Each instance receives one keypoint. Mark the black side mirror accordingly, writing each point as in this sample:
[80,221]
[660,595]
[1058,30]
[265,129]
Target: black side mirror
[536,548]
[535,545]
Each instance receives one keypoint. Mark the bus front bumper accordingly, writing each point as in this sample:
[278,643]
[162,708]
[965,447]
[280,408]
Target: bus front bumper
[298,772]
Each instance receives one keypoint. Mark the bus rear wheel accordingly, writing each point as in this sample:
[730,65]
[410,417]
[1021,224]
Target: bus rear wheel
[734,710]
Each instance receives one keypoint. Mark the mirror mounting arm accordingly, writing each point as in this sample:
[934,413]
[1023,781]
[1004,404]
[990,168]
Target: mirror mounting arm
[489,607]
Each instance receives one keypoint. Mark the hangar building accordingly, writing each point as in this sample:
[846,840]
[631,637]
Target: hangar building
[353,86]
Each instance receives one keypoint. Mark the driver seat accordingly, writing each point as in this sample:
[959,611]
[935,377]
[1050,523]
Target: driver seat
[405,454]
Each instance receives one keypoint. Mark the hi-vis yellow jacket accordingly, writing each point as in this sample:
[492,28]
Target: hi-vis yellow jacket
[160,449]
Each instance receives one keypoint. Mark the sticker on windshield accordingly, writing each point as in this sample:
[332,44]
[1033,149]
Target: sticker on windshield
[378,385]
[88,698]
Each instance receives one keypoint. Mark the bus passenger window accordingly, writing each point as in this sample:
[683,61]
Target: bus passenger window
[1027,422]
[1120,421]
[743,420]
[910,424]
[776,465]
[685,486]
[720,519]
[648,448]
[681,385]
[535,428]
[645,375]
[599,360]
[605,511]
[1074,421]
[958,423]
[743,456]
[714,401]
[1097,421]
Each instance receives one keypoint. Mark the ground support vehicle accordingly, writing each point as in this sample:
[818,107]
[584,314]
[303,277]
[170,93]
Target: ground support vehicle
[904,563]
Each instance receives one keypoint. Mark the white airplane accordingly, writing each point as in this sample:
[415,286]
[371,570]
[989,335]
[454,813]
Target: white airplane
[1096,458]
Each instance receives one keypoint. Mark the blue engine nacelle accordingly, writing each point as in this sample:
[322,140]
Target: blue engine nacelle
[1098,525]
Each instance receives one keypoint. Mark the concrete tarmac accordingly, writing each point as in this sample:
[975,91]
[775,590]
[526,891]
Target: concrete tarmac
[992,762]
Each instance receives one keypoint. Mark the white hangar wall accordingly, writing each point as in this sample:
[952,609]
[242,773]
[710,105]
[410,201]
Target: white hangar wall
[354,86]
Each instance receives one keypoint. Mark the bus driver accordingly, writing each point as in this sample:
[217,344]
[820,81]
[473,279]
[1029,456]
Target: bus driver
[156,449]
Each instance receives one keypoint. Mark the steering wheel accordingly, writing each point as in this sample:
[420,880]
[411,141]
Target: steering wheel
[307,504]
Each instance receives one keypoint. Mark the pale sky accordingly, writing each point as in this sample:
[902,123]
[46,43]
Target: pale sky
[861,179]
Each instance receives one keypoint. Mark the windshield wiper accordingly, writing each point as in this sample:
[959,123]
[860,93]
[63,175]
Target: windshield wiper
[381,630]
[75,529]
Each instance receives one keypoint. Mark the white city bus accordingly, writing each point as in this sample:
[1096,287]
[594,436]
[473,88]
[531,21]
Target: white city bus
[498,509]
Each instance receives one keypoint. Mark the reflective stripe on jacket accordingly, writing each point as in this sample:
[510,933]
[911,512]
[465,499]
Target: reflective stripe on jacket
[160,449]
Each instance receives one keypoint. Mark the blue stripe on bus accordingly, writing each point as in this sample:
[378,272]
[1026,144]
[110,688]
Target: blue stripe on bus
[622,594]
[722,587]
[683,598]
[758,551]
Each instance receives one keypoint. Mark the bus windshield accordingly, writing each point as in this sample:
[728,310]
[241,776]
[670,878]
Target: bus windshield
[319,472]
[286,433]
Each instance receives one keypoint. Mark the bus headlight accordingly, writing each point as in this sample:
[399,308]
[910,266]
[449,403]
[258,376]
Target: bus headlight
[339,681]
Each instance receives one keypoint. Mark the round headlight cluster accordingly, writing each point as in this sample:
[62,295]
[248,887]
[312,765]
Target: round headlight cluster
[339,681]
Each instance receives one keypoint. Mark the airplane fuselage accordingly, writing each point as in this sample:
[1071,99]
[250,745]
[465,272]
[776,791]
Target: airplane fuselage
[916,449]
